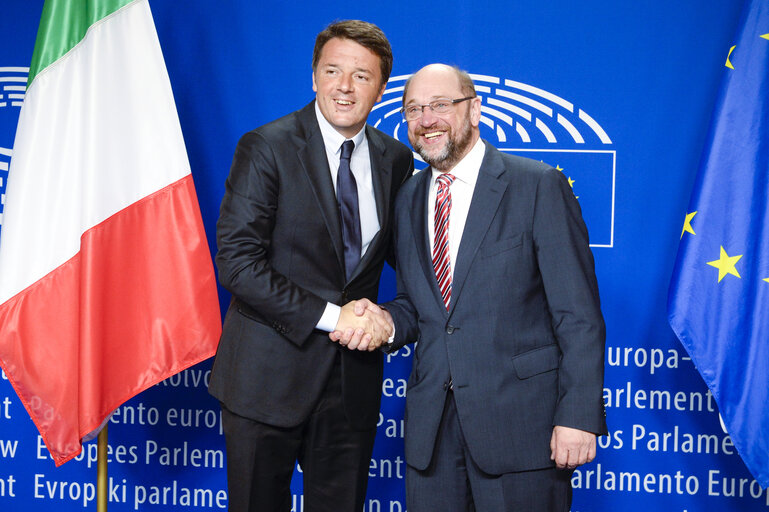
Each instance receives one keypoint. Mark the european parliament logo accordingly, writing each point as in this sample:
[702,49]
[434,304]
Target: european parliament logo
[525,120]
[13,85]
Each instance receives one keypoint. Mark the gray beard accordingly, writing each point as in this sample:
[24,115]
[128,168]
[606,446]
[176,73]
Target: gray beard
[452,152]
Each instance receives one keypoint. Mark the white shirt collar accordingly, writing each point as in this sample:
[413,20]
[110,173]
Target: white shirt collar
[467,169]
[332,139]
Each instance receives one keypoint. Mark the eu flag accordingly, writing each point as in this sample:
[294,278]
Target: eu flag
[718,303]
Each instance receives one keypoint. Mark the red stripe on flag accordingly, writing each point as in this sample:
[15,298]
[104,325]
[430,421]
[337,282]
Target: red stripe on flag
[136,305]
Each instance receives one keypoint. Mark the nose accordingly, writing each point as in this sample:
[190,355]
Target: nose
[346,82]
[428,116]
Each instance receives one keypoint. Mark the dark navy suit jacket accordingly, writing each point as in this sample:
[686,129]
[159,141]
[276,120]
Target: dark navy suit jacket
[524,338]
[280,253]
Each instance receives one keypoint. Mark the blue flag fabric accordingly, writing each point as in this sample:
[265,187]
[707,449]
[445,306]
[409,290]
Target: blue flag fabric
[718,303]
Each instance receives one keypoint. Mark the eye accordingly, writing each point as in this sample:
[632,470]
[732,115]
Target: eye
[440,105]
[413,109]
[361,77]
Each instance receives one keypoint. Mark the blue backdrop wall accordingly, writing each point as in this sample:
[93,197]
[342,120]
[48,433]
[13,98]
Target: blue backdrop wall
[617,94]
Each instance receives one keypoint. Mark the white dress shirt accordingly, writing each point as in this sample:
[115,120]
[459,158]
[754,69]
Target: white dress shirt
[360,166]
[466,174]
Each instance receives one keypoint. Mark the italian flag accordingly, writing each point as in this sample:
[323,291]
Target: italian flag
[106,281]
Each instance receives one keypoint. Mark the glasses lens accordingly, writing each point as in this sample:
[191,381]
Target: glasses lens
[441,106]
[412,112]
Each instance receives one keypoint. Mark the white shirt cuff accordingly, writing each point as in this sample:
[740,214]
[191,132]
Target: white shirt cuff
[330,318]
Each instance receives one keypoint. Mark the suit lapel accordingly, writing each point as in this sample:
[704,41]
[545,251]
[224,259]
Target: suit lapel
[312,155]
[381,174]
[487,195]
[381,177]
[419,218]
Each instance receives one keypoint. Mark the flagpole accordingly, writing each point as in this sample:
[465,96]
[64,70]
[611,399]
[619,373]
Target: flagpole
[101,472]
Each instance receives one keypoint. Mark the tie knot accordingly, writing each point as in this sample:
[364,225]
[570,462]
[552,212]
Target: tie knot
[445,180]
[347,147]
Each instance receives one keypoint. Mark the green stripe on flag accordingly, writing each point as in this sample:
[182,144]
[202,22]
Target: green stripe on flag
[63,24]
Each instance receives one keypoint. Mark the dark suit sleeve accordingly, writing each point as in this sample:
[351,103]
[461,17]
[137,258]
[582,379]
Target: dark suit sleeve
[405,319]
[244,239]
[403,312]
[568,273]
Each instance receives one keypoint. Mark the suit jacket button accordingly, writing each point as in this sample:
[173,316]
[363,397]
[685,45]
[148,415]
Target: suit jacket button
[450,329]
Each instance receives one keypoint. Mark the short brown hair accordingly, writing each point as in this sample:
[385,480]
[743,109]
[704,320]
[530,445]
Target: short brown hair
[365,34]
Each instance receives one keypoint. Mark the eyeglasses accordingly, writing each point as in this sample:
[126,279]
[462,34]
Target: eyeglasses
[442,106]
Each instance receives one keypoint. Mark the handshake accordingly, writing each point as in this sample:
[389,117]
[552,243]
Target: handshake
[362,325]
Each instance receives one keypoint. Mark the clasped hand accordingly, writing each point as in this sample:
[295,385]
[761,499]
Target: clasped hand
[362,325]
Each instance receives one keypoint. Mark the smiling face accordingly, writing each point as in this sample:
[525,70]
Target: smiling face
[442,140]
[347,81]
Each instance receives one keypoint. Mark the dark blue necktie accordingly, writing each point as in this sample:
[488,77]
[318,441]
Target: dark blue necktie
[347,195]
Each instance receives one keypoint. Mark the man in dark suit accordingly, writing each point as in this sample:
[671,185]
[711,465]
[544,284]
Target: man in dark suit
[304,226]
[496,281]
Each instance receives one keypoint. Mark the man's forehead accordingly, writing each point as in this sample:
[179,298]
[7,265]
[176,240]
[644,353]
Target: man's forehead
[426,92]
[342,45]
[433,83]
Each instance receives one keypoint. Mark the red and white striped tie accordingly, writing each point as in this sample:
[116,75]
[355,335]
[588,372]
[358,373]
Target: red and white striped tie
[441,259]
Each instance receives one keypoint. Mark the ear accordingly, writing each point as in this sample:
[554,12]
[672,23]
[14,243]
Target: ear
[475,111]
[381,92]
[314,85]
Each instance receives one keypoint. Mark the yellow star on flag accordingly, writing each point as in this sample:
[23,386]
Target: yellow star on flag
[688,224]
[726,265]
[729,62]
[558,168]
[767,279]
[571,184]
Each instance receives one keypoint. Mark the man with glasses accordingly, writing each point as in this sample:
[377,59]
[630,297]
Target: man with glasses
[496,281]
[304,226]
